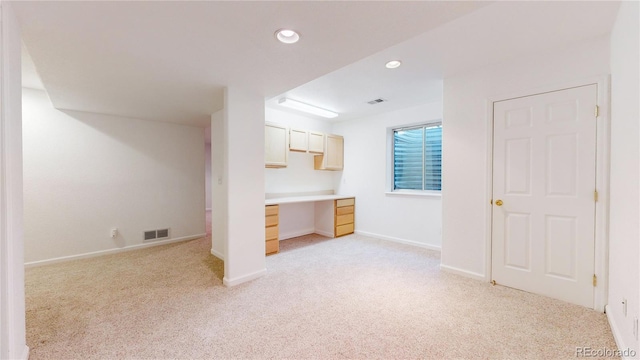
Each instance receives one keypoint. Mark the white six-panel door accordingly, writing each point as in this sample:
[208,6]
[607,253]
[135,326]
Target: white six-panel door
[543,194]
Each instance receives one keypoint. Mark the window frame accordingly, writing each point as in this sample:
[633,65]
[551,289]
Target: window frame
[390,181]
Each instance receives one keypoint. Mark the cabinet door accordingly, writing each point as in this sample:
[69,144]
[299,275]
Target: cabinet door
[276,145]
[316,142]
[298,140]
[334,153]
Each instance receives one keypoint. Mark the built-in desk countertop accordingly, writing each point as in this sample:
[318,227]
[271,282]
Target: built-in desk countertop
[303,199]
[333,216]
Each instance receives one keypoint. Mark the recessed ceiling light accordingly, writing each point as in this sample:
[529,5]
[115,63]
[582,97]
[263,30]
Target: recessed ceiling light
[287,36]
[393,64]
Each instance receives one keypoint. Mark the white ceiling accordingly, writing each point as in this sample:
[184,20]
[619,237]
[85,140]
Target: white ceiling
[169,61]
[486,36]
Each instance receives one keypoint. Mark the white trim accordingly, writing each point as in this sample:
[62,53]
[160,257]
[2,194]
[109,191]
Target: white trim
[603,146]
[602,176]
[616,333]
[461,272]
[324,233]
[489,192]
[110,251]
[25,353]
[217,254]
[551,88]
[207,209]
[418,193]
[398,240]
[295,234]
[242,279]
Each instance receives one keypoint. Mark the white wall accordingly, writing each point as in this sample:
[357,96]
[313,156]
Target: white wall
[12,307]
[242,174]
[298,177]
[207,173]
[466,134]
[625,202]
[296,220]
[405,218]
[86,173]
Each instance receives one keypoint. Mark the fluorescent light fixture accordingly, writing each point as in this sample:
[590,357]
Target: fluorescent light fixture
[287,36]
[297,105]
[393,64]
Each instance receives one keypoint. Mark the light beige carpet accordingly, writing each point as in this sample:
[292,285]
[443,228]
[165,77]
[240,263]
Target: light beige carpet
[352,297]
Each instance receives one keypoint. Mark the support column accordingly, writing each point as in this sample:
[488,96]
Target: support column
[243,179]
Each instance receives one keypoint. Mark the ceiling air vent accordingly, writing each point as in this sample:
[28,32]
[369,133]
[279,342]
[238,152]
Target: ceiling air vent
[376,101]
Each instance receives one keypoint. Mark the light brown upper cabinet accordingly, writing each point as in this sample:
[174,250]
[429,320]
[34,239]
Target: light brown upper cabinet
[333,154]
[298,140]
[276,145]
[316,142]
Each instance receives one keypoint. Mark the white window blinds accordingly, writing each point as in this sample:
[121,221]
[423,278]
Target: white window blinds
[417,158]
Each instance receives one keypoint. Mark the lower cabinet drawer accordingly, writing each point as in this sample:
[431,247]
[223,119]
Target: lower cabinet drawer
[272,246]
[344,229]
[345,202]
[271,220]
[344,219]
[271,233]
[271,210]
[344,210]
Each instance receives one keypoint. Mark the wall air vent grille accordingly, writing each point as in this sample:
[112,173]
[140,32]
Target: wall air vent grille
[156,234]
[376,101]
[150,235]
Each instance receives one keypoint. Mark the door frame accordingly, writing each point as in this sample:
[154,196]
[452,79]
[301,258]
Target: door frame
[601,246]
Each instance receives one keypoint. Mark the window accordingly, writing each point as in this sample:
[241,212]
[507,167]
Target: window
[417,157]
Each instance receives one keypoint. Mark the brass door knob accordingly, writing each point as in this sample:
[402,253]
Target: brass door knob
[499,202]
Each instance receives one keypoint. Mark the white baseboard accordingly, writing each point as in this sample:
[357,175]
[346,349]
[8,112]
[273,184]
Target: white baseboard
[217,254]
[296,234]
[25,353]
[111,251]
[398,240]
[465,273]
[323,233]
[615,329]
[242,279]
